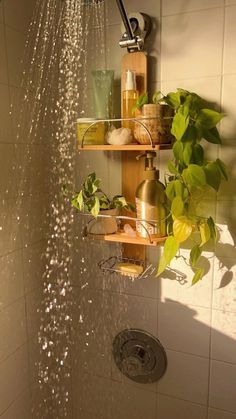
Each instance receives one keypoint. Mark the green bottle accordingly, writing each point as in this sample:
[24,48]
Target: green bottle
[150,201]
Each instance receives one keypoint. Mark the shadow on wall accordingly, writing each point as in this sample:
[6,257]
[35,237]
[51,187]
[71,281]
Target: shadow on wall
[100,389]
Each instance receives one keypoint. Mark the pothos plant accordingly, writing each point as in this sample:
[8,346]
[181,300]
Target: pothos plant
[91,198]
[191,176]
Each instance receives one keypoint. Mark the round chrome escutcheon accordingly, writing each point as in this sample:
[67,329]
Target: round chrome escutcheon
[139,355]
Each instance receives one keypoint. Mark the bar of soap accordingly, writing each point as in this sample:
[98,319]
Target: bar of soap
[129,269]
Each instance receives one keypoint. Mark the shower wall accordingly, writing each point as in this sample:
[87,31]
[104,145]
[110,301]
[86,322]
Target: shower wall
[21,223]
[194,48]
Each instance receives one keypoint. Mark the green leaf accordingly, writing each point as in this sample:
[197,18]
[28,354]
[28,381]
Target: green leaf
[171,247]
[208,118]
[213,175]
[212,228]
[156,97]
[187,154]
[179,188]
[171,167]
[182,229]
[198,154]
[177,207]
[180,122]
[170,190]
[80,200]
[205,233]
[142,100]
[222,168]
[195,255]
[194,175]
[173,99]
[96,207]
[211,135]
[198,276]
[178,150]
[161,266]
[190,134]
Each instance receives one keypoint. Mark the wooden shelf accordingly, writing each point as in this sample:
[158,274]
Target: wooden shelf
[128,147]
[121,237]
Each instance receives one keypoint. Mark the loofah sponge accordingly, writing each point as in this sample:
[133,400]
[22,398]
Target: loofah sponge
[119,136]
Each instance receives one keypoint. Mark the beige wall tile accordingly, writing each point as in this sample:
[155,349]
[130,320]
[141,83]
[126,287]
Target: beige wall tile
[33,304]
[1,12]
[223,336]
[8,163]
[182,370]
[220,414]
[134,312]
[179,289]
[93,395]
[14,379]
[21,408]
[5,126]
[33,262]
[10,239]
[129,401]
[12,328]
[18,15]
[224,283]
[167,408]
[193,332]
[15,42]
[222,386]
[229,44]
[182,53]
[3,63]
[11,279]
[171,7]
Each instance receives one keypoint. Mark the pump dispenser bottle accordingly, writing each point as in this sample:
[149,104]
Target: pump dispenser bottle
[129,98]
[150,201]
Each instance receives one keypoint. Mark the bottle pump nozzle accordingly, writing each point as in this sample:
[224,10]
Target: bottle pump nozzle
[150,171]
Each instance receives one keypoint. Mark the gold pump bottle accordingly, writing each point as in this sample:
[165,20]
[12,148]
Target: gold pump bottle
[150,201]
[129,98]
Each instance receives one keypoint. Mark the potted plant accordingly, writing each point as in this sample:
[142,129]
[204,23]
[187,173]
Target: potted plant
[159,127]
[191,177]
[92,200]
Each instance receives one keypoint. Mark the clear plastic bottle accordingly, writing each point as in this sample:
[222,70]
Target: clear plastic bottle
[129,98]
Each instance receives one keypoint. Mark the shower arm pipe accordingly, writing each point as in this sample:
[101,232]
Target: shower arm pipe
[125,19]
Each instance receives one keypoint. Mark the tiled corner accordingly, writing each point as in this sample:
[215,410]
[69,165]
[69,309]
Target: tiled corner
[192,335]
[222,386]
[172,7]
[167,408]
[186,377]
[183,56]
[223,336]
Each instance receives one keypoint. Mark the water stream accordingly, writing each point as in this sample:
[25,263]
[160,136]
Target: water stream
[63,38]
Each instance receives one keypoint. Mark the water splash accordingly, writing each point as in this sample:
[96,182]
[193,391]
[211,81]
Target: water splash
[54,95]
